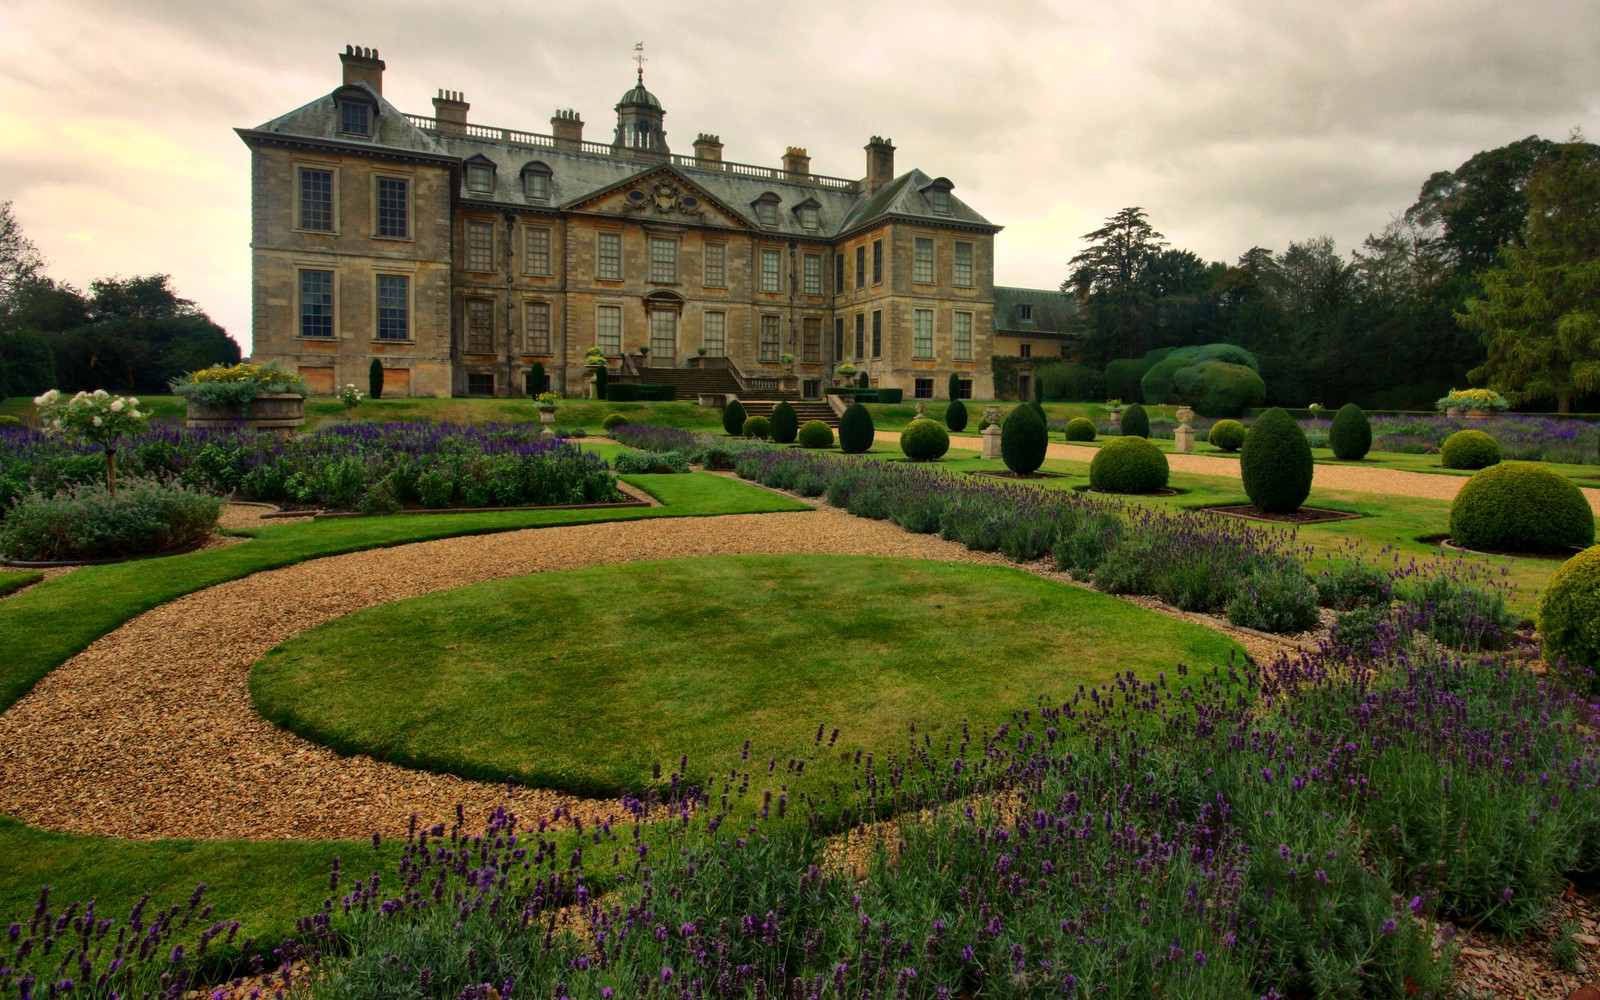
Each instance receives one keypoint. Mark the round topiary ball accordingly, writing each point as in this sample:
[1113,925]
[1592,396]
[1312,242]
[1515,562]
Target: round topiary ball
[1521,507]
[1023,440]
[1469,450]
[1350,437]
[757,427]
[1080,429]
[1128,465]
[785,423]
[955,415]
[924,440]
[1569,613]
[1227,435]
[815,434]
[613,420]
[1275,463]
[733,418]
[1135,422]
[856,430]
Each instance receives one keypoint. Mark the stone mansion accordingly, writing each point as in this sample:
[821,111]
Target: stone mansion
[460,255]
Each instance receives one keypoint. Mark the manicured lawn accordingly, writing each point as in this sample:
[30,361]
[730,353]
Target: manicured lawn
[12,580]
[582,680]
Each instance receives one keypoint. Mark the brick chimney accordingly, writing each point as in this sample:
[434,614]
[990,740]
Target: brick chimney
[880,163]
[795,162]
[707,148]
[450,110]
[362,66]
[567,127]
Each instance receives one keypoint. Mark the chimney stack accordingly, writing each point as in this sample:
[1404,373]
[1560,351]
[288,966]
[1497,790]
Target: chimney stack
[567,127]
[707,148]
[796,163]
[362,66]
[880,163]
[450,110]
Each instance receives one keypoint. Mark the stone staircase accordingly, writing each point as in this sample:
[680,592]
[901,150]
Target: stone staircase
[692,383]
[804,409]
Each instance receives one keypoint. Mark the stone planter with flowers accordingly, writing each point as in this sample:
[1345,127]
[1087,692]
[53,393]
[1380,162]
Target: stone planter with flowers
[259,397]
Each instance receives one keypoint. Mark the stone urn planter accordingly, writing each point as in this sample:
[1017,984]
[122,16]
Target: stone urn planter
[1454,413]
[282,413]
[547,417]
[1479,414]
[1114,417]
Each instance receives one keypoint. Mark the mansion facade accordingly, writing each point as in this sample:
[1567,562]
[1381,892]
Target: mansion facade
[460,255]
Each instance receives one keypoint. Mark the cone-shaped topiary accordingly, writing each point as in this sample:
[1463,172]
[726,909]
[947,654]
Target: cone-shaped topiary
[955,415]
[1521,507]
[1023,440]
[924,440]
[856,430]
[785,423]
[1469,450]
[815,434]
[1350,437]
[733,418]
[757,427]
[1038,409]
[1135,422]
[602,377]
[375,379]
[537,379]
[1227,435]
[1128,465]
[1569,615]
[1275,463]
[955,385]
[1080,429]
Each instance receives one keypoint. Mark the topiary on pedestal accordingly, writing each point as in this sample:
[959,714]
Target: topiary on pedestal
[1521,507]
[1350,437]
[1469,450]
[856,430]
[955,415]
[1023,440]
[1080,429]
[1135,422]
[785,423]
[1569,618]
[1129,465]
[733,418]
[924,440]
[1275,463]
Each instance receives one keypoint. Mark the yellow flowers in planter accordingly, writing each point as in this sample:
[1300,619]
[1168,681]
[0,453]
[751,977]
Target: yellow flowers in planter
[1473,399]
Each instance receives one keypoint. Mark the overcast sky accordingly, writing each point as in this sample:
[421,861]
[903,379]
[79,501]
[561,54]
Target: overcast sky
[1234,123]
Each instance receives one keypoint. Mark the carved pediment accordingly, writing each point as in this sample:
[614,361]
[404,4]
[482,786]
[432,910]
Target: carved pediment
[663,197]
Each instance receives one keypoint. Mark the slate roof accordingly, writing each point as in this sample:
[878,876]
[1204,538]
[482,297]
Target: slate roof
[320,120]
[905,198]
[1053,315]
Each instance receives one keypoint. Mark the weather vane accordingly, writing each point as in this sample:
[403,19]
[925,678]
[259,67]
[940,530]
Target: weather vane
[638,57]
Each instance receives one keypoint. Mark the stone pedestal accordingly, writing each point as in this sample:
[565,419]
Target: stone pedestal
[1183,438]
[922,409]
[547,417]
[1114,417]
[991,441]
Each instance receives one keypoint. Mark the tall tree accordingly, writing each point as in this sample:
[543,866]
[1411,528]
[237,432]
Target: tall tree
[19,258]
[1482,204]
[1540,311]
[1107,280]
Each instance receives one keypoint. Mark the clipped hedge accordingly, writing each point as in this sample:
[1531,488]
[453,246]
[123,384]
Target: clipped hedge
[955,415]
[757,427]
[1569,617]
[815,434]
[1227,435]
[1080,429]
[1219,389]
[1023,440]
[924,440]
[1123,378]
[856,430]
[622,392]
[1521,507]
[1350,437]
[1129,465]
[733,418]
[1469,450]
[1275,463]
[785,423]
[1135,422]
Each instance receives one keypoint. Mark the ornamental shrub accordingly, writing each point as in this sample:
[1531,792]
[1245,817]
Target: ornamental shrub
[955,385]
[91,522]
[815,434]
[733,418]
[375,379]
[1351,434]
[1038,409]
[1135,422]
[1023,440]
[785,423]
[757,427]
[856,430]
[1129,465]
[1569,617]
[1274,598]
[1219,389]
[1080,429]
[537,379]
[1521,507]
[924,440]
[864,381]
[613,421]
[1123,378]
[1068,380]
[1469,450]
[1275,463]
[7,420]
[622,392]
[955,415]
[1227,435]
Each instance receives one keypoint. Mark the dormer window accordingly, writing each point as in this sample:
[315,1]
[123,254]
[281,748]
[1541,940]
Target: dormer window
[480,175]
[356,110]
[938,195]
[536,181]
[766,208]
[810,217]
[1025,313]
[941,202]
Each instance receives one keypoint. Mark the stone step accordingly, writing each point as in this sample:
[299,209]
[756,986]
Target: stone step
[803,411]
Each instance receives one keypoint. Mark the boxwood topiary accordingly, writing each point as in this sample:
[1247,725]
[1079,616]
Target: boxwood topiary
[1219,389]
[1038,408]
[1128,465]
[613,420]
[815,434]
[1275,463]
[1080,429]
[1521,507]
[1351,434]
[1023,440]
[1227,435]
[924,440]
[757,427]
[1469,450]
[1569,615]
[1135,422]
[856,430]
[785,423]
[733,417]
[955,415]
